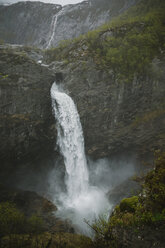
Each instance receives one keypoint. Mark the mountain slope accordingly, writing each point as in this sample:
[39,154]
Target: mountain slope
[26,22]
[34,23]
[115,75]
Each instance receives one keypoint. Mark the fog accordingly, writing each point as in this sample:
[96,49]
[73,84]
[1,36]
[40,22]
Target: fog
[48,178]
[81,192]
[61,2]
[108,173]
[76,184]
[104,175]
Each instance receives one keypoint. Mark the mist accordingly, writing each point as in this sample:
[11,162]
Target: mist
[50,181]
[107,173]
[104,175]
[61,2]
[76,184]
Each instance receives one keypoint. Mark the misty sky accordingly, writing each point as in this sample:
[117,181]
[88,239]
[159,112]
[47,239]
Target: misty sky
[62,2]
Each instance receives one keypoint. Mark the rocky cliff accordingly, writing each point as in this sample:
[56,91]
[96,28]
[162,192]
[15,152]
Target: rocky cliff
[116,77]
[120,110]
[25,106]
[36,23]
[138,221]
[26,22]
[116,116]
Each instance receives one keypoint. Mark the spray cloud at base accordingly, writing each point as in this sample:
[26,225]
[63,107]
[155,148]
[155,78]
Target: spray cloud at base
[82,193]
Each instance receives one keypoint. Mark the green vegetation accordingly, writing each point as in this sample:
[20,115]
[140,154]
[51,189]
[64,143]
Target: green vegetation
[136,212]
[147,117]
[127,45]
[13,221]
[1,42]
[15,226]
[129,204]
[17,56]
[69,240]
[3,76]
[26,240]
[18,231]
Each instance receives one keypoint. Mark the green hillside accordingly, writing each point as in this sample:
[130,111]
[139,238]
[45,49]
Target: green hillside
[126,45]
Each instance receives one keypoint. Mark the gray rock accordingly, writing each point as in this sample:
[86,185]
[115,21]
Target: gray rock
[116,117]
[26,123]
[35,23]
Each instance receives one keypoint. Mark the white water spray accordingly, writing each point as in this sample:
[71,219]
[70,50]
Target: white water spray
[82,200]
[53,28]
[71,142]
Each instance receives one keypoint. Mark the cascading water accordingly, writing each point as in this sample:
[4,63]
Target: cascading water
[81,200]
[53,28]
[71,142]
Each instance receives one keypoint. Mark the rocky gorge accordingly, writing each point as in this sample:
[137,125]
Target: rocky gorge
[121,111]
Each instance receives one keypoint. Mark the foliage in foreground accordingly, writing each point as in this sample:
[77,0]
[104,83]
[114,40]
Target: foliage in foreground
[147,209]
[13,221]
[45,240]
[19,231]
[14,224]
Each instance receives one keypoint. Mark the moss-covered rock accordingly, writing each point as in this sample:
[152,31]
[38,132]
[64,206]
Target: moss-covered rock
[138,221]
[129,204]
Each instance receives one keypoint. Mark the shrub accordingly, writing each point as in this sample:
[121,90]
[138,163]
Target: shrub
[11,219]
[127,44]
[129,204]
[146,209]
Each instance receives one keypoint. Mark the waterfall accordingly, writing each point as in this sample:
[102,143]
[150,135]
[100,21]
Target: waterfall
[70,141]
[81,200]
[53,28]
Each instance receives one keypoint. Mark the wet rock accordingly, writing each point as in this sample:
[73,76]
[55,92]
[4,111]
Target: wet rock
[26,123]
[116,117]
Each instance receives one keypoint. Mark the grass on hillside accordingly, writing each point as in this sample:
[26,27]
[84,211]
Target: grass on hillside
[127,45]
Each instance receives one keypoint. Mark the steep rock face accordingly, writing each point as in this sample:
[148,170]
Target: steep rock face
[25,107]
[36,23]
[26,22]
[78,19]
[117,116]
